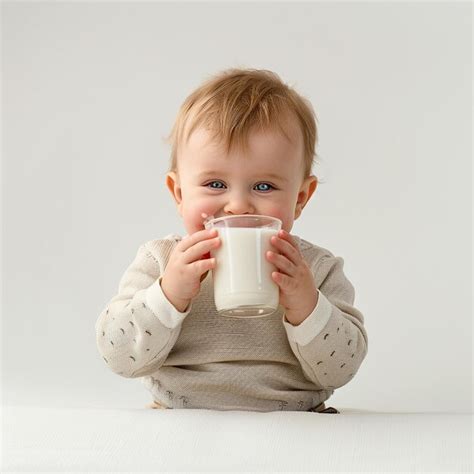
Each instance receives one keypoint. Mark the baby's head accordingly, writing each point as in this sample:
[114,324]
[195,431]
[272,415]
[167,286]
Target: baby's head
[243,143]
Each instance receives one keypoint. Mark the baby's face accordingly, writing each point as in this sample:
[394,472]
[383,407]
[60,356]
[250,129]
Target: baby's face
[268,180]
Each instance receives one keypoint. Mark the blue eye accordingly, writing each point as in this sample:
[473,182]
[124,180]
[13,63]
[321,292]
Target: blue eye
[209,185]
[212,182]
[265,184]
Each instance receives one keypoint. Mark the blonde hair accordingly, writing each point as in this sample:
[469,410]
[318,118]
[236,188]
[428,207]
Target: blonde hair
[236,101]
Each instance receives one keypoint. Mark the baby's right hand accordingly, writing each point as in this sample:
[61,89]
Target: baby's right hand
[187,268]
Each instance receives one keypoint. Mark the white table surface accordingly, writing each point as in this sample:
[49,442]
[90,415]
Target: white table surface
[84,439]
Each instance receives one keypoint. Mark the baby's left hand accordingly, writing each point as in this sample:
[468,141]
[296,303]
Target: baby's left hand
[298,292]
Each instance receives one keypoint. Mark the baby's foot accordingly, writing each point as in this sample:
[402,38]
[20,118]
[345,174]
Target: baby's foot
[155,405]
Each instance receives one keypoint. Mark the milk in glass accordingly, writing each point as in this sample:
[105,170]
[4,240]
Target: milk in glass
[243,285]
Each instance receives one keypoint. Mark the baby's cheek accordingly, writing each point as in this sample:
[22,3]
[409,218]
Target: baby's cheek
[193,218]
[285,217]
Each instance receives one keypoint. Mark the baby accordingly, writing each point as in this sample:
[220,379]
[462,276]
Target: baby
[243,143]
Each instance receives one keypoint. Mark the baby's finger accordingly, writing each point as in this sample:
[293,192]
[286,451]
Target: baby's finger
[193,239]
[286,247]
[199,249]
[281,262]
[202,266]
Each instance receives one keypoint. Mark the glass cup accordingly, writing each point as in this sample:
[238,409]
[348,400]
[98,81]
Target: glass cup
[243,285]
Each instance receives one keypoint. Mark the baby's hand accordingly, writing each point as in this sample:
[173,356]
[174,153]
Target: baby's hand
[188,266]
[298,292]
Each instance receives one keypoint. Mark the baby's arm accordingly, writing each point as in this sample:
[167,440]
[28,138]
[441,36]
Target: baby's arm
[138,328]
[331,342]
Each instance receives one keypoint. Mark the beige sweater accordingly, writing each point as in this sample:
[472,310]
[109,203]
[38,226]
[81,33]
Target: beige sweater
[200,359]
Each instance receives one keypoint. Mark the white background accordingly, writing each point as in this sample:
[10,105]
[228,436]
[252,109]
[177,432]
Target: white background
[90,90]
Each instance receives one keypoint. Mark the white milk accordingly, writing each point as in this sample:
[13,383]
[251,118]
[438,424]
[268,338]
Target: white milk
[242,276]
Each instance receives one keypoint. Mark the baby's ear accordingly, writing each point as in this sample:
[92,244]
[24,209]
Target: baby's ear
[172,182]
[304,195]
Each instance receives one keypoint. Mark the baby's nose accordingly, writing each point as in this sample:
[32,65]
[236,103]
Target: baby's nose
[239,203]
[239,207]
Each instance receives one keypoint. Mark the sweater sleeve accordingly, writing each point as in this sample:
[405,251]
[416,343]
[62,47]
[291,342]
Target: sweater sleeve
[331,342]
[139,326]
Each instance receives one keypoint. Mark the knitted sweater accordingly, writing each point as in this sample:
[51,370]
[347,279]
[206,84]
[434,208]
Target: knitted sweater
[200,359]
